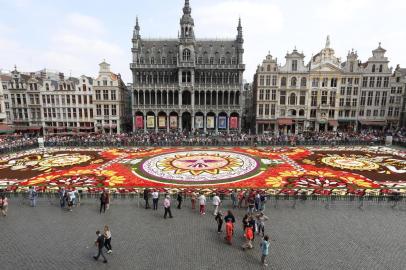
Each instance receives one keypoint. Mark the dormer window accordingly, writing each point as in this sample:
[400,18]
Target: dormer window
[294,65]
[186,55]
[380,68]
[373,68]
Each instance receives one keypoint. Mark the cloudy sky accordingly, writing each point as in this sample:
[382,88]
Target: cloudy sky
[74,36]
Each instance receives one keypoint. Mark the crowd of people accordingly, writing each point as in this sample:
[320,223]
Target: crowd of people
[10,143]
[253,222]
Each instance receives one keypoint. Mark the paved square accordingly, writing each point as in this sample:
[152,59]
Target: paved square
[308,237]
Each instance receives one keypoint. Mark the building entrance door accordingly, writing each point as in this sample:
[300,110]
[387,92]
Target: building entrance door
[187,121]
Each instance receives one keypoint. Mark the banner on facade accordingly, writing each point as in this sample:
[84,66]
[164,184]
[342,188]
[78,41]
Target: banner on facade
[139,121]
[162,121]
[210,122]
[173,121]
[222,122]
[199,122]
[234,122]
[150,121]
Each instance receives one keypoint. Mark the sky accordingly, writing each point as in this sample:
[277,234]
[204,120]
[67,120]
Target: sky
[74,36]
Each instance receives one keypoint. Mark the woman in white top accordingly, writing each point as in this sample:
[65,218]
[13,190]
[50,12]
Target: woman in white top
[202,203]
[107,239]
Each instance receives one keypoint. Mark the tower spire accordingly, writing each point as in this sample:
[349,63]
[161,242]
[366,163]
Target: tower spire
[328,42]
[136,33]
[239,31]
[186,9]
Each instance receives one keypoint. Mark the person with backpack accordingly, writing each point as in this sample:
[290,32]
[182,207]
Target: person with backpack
[264,249]
[100,244]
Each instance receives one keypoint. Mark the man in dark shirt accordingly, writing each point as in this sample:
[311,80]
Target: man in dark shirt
[146,198]
[100,243]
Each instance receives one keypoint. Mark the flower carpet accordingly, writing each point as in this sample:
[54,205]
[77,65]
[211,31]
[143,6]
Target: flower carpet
[316,170]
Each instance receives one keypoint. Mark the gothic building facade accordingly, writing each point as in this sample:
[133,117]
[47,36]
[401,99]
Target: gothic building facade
[187,84]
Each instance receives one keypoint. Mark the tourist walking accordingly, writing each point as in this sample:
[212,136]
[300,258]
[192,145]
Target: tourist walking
[155,198]
[99,244]
[107,199]
[261,218]
[179,198]
[107,239]
[32,196]
[264,249]
[249,235]
[193,198]
[167,206]
[202,204]
[234,198]
[103,199]
[251,204]
[257,201]
[263,201]
[229,220]
[71,199]
[219,220]
[241,198]
[146,198]
[216,203]
[253,224]
[61,194]
[3,205]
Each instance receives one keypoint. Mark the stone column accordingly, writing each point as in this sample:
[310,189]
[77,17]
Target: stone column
[167,123]
[180,99]
[216,123]
[193,122]
[180,123]
[204,123]
[228,124]
[156,123]
[239,123]
[145,123]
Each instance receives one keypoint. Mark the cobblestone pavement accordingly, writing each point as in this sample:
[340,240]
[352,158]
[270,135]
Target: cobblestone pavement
[307,237]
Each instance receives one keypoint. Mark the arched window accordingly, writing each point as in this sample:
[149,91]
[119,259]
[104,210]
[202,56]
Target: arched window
[47,86]
[373,68]
[186,55]
[152,60]
[268,68]
[303,82]
[380,68]
[293,82]
[283,81]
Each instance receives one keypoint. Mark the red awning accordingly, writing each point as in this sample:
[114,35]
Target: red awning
[333,123]
[285,121]
[373,123]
